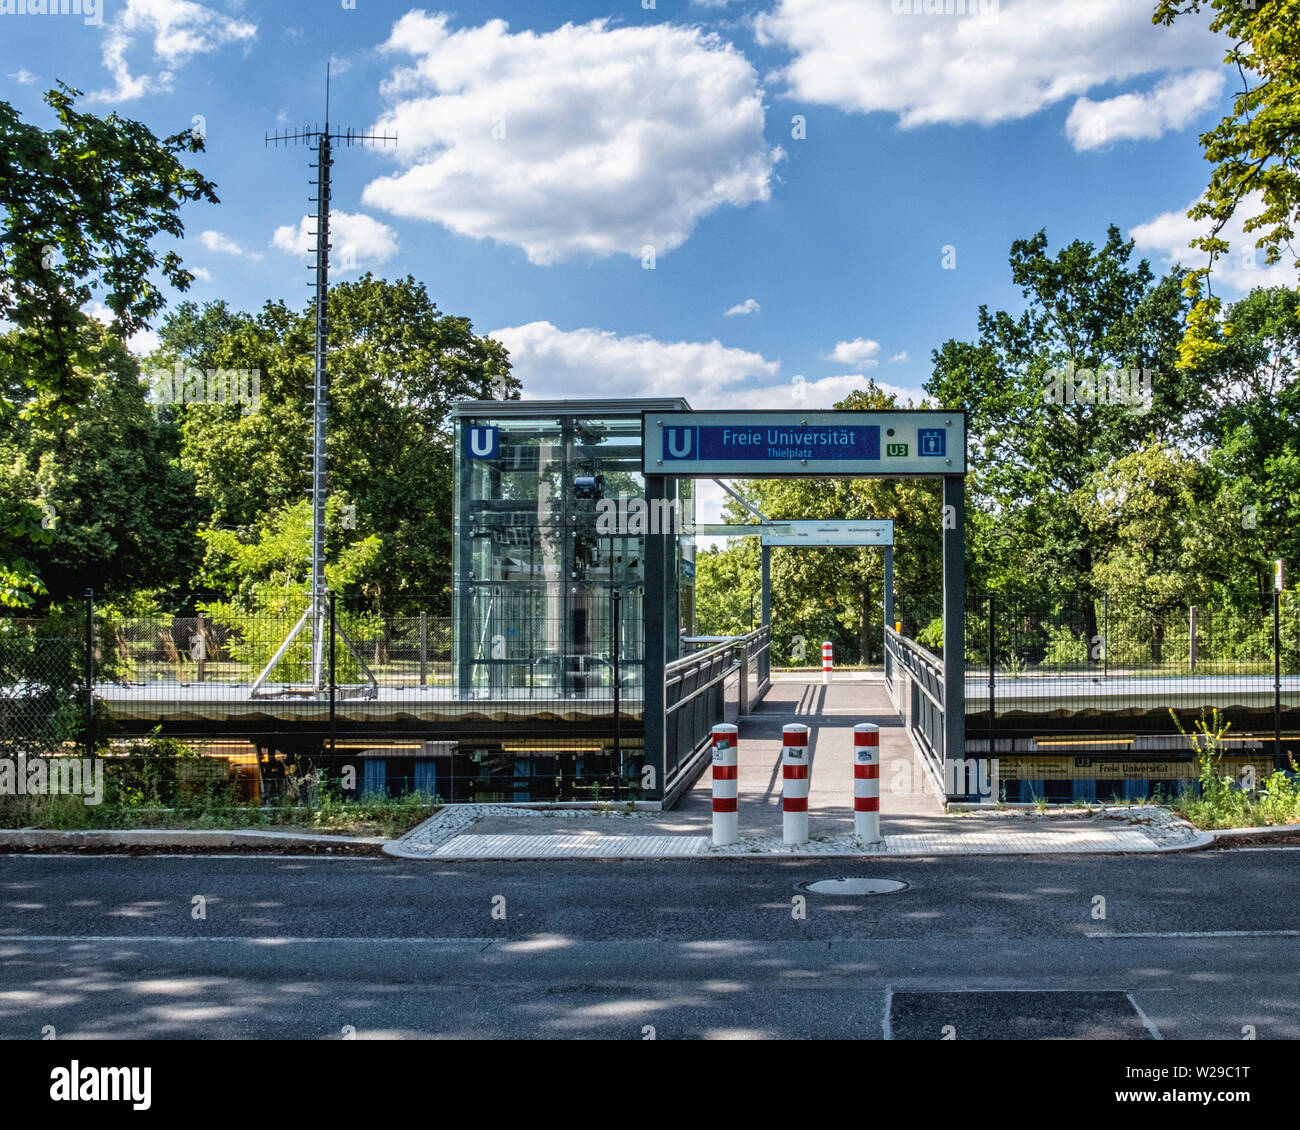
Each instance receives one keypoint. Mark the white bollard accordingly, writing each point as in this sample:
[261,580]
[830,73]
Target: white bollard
[726,819]
[794,784]
[866,782]
[828,661]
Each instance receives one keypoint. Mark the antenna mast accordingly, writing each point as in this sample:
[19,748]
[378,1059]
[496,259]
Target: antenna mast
[322,141]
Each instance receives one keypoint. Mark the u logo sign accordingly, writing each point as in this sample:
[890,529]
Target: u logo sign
[677,443]
[481,442]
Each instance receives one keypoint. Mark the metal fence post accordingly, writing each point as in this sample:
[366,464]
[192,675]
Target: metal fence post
[742,697]
[424,648]
[616,633]
[992,671]
[1191,639]
[1278,761]
[89,674]
[333,672]
[200,647]
[1105,637]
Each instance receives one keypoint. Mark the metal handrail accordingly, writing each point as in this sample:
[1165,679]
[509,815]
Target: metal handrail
[924,671]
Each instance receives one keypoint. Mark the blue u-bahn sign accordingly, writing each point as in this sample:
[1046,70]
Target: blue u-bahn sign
[769,444]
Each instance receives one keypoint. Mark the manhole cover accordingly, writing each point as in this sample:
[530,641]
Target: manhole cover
[852,886]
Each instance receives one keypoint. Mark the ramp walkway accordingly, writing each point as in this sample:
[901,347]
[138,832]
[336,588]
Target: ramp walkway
[913,821]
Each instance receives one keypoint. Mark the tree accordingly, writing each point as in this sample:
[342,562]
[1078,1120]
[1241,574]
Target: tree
[1254,149]
[266,576]
[119,513]
[1142,510]
[1252,440]
[1090,314]
[396,366]
[81,205]
[727,583]
[84,202]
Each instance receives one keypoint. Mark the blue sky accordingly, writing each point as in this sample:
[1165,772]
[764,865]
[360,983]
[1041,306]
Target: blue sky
[544,145]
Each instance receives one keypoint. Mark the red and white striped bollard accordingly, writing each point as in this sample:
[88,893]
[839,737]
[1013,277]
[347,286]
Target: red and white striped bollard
[866,782]
[726,819]
[828,661]
[794,783]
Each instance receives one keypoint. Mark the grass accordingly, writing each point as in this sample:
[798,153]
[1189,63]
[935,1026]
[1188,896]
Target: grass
[1224,801]
[372,816]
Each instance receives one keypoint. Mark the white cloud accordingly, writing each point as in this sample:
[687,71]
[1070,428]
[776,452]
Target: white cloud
[572,144]
[200,273]
[23,76]
[860,352]
[139,343]
[179,29]
[143,343]
[749,306]
[901,355]
[224,245]
[859,56]
[1166,236]
[556,364]
[1171,105]
[359,241]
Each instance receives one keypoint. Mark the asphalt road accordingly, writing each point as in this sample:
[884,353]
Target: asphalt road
[1196,945]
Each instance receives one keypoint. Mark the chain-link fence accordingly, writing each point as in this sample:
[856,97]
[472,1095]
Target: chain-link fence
[42,691]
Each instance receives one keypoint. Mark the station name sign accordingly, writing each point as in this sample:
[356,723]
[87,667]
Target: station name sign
[769,444]
[830,533]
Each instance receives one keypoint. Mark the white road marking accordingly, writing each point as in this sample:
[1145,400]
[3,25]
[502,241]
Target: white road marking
[1150,1027]
[887,1022]
[1195,934]
[297,857]
[231,939]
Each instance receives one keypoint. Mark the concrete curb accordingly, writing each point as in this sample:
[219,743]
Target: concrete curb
[1266,831]
[208,839]
[454,820]
[865,855]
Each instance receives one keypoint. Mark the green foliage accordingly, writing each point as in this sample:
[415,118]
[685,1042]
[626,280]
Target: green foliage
[83,202]
[396,366]
[1064,648]
[931,635]
[1086,306]
[270,580]
[727,586]
[121,513]
[1222,801]
[79,204]
[1256,162]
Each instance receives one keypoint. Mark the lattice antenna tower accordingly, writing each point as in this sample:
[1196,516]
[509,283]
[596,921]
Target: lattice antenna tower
[322,141]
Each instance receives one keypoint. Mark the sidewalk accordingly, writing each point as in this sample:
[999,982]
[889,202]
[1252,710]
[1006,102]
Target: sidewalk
[912,818]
